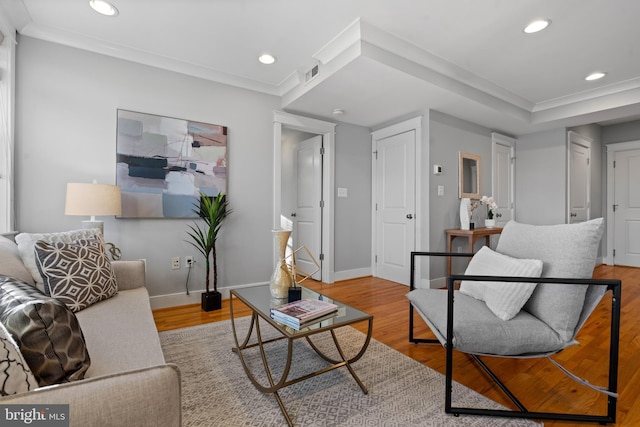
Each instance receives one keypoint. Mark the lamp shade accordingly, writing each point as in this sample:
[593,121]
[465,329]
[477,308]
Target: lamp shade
[93,199]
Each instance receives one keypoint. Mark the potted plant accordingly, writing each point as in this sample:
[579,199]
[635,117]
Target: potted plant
[492,206]
[213,211]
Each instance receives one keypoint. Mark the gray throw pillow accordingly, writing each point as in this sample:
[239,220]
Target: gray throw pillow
[46,331]
[567,251]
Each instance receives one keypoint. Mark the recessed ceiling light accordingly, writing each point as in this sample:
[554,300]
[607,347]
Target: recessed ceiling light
[536,26]
[267,59]
[595,76]
[103,7]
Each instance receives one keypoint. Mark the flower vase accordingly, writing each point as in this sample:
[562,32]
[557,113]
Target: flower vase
[489,223]
[281,279]
[465,218]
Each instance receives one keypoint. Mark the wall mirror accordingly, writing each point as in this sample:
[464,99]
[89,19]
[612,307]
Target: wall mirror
[469,176]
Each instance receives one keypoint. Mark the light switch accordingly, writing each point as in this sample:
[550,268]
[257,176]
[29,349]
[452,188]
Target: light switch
[440,190]
[342,192]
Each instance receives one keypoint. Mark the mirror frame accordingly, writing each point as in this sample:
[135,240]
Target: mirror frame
[461,176]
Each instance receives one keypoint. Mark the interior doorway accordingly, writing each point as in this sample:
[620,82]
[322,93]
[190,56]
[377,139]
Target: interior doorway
[623,204]
[292,127]
[396,200]
[302,158]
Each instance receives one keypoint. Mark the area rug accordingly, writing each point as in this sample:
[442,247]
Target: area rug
[402,392]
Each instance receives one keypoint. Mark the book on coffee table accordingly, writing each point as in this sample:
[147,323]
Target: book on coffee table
[297,313]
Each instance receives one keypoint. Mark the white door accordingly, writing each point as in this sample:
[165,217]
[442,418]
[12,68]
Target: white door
[307,199]
[579,178]
[503,175]
[627,208]
[395,206]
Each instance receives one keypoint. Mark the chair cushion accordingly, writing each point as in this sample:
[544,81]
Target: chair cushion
[79,273]
[567,251]
[15,375]
[477,330]
[26,246]
[504,299]
[46,331]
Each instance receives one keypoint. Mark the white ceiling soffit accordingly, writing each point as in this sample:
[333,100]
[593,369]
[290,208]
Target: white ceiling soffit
[375,77]
[389,63]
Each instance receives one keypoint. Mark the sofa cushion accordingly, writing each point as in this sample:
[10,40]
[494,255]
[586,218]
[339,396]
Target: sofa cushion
[504,299]
[79,273]
[10,262]
[46,331]
[567,251]
[15,375]
[26,246]
[127,318]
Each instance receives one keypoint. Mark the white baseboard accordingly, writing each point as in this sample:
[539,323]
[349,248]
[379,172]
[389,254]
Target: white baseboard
[352,274]
[174,300]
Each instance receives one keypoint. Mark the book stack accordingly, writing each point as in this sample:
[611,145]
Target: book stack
[299,313]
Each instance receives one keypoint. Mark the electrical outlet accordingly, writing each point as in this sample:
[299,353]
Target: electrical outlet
[175,263]
[188,261]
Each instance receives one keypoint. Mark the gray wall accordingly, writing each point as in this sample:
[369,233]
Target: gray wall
[353,213]
[65,132]
[447,137]
[541,164]
[541,175]
[622,132]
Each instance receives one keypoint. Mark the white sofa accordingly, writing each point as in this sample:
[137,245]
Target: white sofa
[128,382]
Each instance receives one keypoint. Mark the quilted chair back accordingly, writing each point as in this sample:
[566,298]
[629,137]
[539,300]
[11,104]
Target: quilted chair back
[567,251]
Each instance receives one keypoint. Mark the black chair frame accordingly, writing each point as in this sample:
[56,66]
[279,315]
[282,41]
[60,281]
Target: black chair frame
[615,286]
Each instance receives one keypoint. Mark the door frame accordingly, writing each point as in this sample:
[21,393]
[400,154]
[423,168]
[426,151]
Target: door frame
[414,124]
[575,138]
[497,138]
[327,130]
[612,148]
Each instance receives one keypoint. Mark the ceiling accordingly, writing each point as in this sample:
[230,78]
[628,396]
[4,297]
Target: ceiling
[379,60]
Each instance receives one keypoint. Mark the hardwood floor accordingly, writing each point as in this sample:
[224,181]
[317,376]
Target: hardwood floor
[538,384]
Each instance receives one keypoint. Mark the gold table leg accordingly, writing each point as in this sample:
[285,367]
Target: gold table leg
[283,382]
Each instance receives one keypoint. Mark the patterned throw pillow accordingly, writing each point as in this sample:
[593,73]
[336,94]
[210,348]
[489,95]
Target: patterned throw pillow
[15,375]
[46,331]
[79,274]
[26,243]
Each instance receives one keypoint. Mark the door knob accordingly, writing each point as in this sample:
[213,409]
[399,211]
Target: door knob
[294,214]
[409,216]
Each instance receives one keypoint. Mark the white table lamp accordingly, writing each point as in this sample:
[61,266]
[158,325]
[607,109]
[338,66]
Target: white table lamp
[93,200]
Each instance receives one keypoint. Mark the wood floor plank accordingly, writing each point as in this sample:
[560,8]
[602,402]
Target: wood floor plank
[537,382]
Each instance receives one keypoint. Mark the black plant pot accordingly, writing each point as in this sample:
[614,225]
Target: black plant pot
[211,301]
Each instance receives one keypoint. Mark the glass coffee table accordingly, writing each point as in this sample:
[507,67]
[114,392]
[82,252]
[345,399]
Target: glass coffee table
[259,300]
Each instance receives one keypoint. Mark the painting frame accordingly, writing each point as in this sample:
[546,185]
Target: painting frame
[164,163]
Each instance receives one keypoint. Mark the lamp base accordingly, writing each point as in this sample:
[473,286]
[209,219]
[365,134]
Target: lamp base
[94,224]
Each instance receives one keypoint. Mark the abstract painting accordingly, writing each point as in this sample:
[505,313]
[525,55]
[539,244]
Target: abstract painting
[163,164]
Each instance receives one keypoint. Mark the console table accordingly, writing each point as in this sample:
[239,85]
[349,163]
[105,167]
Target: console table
[472,237]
